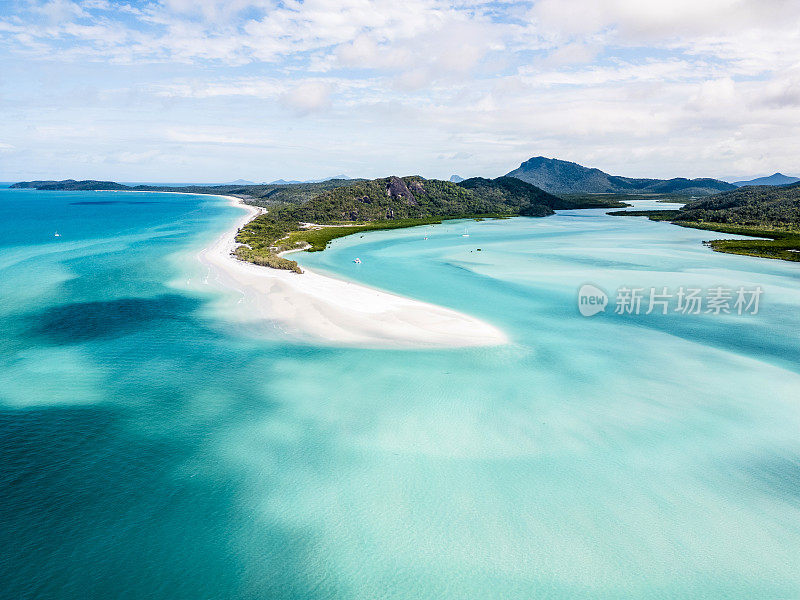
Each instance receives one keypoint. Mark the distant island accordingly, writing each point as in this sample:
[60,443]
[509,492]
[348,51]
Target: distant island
[563,177]
[771,212]
[239,182]
[261,194]
[296,181]
[774,179]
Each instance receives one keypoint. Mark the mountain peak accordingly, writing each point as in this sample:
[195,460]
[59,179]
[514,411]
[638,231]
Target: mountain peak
[774,179]
[563,177]
[239,182]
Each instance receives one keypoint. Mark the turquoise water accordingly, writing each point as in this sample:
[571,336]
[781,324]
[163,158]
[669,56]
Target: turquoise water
[150,450]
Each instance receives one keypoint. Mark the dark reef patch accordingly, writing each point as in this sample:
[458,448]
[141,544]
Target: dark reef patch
[86,321]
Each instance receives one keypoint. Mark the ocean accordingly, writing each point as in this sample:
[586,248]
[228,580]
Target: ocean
[153,447]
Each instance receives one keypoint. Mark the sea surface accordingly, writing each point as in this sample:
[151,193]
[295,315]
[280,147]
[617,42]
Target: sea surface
[151,447]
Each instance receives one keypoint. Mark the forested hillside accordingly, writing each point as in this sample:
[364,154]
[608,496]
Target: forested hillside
[564,177]
[771,212]
[772,206]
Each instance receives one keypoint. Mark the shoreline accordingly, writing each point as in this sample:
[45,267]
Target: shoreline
[754,241]
[324,309]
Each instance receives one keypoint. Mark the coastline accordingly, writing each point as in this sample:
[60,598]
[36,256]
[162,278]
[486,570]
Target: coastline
[325,309]
[755,241]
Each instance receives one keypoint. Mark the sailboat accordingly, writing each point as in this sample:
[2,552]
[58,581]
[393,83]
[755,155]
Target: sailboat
[465,234]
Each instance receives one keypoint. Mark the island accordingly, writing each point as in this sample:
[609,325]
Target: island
[308,216]
[763,211]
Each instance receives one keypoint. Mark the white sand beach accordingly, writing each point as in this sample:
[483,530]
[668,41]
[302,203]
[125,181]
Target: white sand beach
[334,311]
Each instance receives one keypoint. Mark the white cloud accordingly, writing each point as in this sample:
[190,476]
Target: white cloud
[715,95]
[683,87]
[307,97]
[56,11]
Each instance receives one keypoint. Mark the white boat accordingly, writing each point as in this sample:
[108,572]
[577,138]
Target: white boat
[57,234]
[465,234]
[357,261]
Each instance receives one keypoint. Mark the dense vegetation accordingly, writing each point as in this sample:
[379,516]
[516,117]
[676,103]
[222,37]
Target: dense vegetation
[761,211]
[600,200]
[265,258]
[418,198]
[758,206]
[563,177]
[391,202]
[317,239]
[71,185]
[522,198]
[782,244]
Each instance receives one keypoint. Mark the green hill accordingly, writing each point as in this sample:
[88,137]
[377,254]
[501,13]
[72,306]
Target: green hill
[418,198]
[758,206]
[524,198]
[385,203]
[771,212]
[563,177]
[71,185]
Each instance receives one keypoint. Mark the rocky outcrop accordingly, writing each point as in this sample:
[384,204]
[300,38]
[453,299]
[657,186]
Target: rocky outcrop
[397,188]
[417,187]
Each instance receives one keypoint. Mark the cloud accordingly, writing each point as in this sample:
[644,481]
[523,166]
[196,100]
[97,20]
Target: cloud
[783,91]
[657,88]
[307,98]
[56,11]
[455,156]
[636,20]
[572,53]
[715,95]
[621,72]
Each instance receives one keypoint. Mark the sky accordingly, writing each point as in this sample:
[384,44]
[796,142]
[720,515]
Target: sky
[212,91]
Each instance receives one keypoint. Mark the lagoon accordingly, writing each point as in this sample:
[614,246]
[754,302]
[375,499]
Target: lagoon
[153,445]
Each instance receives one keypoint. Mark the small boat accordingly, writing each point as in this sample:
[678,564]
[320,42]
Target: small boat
[357,261]
[465,234]
[57,234]
[426,237]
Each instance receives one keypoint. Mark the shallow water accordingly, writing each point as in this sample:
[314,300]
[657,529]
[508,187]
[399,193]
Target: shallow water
[148,448]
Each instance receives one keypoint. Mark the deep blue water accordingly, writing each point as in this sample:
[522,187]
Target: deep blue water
[149,449]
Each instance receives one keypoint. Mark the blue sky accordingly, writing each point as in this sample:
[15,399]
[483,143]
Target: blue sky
[187,90]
